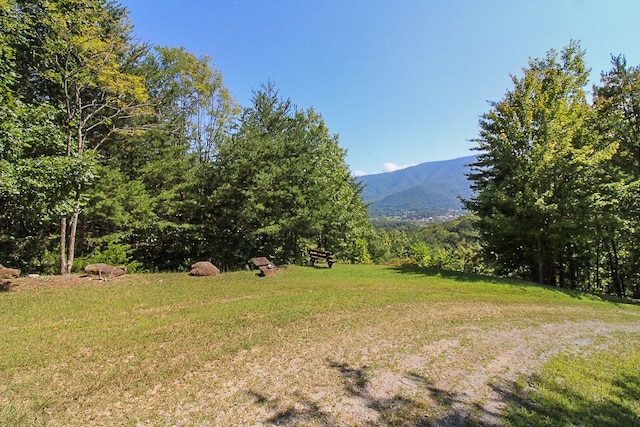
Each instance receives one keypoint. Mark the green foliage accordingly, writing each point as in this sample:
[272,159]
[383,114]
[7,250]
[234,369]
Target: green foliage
[617,108]
[139,156]
[420,254]
[450,234]
[111,251]
[392,245]
[360,254]
[280,183]
[543,194]
[193,107]
[128,153]
[384,223]
[71,66]
[452,245]
[464,258]
[38,182]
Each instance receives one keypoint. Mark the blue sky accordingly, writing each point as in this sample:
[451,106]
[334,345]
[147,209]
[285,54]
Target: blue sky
[401,81]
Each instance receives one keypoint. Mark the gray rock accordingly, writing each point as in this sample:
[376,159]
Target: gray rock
[204,268]
[105,270]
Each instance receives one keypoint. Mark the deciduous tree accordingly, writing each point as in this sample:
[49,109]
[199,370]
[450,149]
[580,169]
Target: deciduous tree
[74,55]
[617,105]
[533,178]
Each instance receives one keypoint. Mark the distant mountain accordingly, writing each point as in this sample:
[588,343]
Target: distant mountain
[427,190]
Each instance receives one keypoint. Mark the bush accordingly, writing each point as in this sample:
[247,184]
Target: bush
[114,253]
[420,254]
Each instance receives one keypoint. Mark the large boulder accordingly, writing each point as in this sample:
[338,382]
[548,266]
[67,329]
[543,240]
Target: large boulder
[204,268]
[8,273]
[105,270]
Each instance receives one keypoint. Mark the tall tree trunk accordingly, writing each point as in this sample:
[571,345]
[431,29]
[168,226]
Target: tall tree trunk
[561,271]
[614,266]
[540,263]
[597,272]
[63,243]
[68,231]
[71,245]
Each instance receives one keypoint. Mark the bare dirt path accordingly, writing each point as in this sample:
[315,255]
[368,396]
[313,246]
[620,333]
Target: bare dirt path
[390,373]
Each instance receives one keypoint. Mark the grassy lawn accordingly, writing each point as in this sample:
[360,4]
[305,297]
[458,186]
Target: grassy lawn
[348,346]
[599,389]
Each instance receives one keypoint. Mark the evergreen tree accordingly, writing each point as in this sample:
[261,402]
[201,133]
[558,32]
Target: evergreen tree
[74,54]
[192,111]
[281,184]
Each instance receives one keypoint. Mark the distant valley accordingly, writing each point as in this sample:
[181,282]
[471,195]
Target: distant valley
[428,190]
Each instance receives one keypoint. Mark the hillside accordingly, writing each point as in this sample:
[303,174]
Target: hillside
[425,190]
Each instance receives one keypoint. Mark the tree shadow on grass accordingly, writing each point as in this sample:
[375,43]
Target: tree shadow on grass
[514,283]
[450,409]
[311,413]
[562,405]
[425,406]
[449,274]
[318,266]
[471,277]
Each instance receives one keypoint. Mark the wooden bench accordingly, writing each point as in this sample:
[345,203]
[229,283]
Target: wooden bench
[318,255]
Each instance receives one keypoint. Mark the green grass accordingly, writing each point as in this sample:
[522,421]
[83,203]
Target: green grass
[598,389]
[169,349]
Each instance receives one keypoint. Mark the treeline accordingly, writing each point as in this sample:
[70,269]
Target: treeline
[120,152]
[452,245]
[558,176]
[115,151]
[557,185]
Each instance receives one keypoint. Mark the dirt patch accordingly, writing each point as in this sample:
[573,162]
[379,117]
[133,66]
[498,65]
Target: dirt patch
[474,380]
[61,281]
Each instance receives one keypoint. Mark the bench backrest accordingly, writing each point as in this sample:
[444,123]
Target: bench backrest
[319,252]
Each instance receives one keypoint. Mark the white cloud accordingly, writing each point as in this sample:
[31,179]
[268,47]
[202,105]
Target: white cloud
[359,173]
[390,167]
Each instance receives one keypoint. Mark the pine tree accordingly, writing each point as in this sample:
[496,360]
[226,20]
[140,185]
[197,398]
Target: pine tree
[282,184]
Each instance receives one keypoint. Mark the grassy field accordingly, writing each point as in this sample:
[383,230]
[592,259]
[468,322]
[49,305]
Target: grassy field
[347,346]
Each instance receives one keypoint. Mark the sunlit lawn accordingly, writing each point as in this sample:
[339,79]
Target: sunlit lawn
[310,346]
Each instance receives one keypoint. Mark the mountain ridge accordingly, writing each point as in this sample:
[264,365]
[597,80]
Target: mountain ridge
[425,190]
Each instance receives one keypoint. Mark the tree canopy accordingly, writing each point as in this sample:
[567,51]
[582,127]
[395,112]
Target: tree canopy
[282,184]
[115,150]
[549,176]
